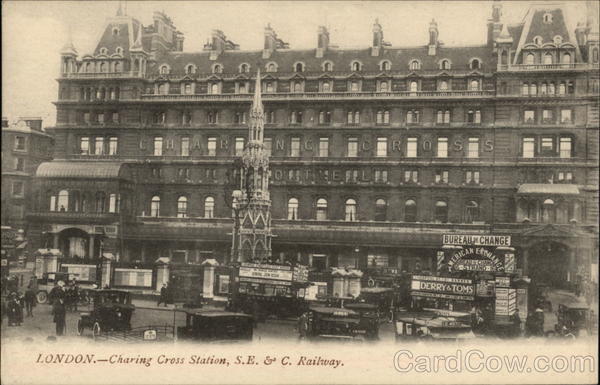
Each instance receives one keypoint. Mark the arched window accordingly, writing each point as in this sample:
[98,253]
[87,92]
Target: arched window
[217,69]
[100,202]
[548,59]
[164,70]
[445,64]
[551,88]
[321,209]
[410,211]
[558,39]
[566,58]
[443,85]
[350,212]
[162,89]
[117,67]
[530,59]
[544,89]
[244,68]
[380,209]
[297,87]
[355,66]
[75,201]
[103,67]
[533,89]
[327,66]
[548,211]
[414,86]
[271,67]
[155,206]
[562,213]
[474,85]
[182,207]
[441,212]
[385,65]
[326,87]
[52,198]
[471,212]
[292,209]
[214,88]
[525,89]
[190,69]
[503,58]
[354,86]
[209,207]
[299,67]
[383,86]
[63,200]
[414,65]
[476,64]
[88,67]
[538,40]
[562,88]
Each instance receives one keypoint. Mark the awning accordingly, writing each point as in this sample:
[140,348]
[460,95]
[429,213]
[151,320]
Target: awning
[87,170]
[548,189]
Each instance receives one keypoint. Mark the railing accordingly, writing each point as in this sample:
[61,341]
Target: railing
[320,96]
[545,67]
[102,75]
[71,215]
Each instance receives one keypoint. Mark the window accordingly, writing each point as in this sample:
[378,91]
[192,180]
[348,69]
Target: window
[115,117]
[445,64]
[533,89]
[475,64]
[214,88]
[242,89]
[160,117]
[297,86]
[548,58]
[382,147]
[244,68]
[240,118]
[441,212]
[185,146]
[17,188]
[473,148]
[324,117]
[52,202]
[474,116]
[414,65]
[471,212]
[474,85]
[565,176]
[547,116]
[187,89]
[100,117]
[217,69]
[530,59]
[299,67]
[355,66]
[190,69]
[164,70]
[19,143]
[292,209]
[566,147]
[472,177]
[443,86]
[113,145]
[411,147]
[566,58]
[155,206]
[84,145]
[269,87]
[385,65]
[354,86]
[268,145]
[326,87]
[548,211]
[271,67]
[442,147]
[441,176]
[529,116]
[547,146]
[239,146]
[551,88]
[383,117]
[295,146]
[99,146]
[270,117]
[209,207]
[211,146]
[321,214]
[350,212]
[381,176]
[351,176]
[525,89]
[544,89]
[565,116]
[547,18]
[412,117]
[212,117]
[162,89]
[411,176]
[528,147]
[323,147]
[327,66]
[562,88]
[186,118]
[182,207]
[352,149]
[63,200]
[353,117]
[443,117]
[383,86]
[113,203]
[380,209]
[158,146]
[296,117]
[414,86]
[410,211]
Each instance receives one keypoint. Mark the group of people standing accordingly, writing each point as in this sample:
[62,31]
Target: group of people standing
[17,302]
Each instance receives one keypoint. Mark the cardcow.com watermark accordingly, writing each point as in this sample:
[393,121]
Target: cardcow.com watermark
[476,361]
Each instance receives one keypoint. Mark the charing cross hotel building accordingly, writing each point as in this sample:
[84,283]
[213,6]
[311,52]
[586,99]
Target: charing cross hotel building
[379,156]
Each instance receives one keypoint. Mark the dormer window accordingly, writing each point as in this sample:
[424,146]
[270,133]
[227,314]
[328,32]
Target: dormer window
[385,65]
[445,64]
[355,66]
[538,40]
[299,67]
[558,39]
[327,66]
[475,64]
[164,69]
[190,69]
[244,68]
[547,18]
[414,65]
[103,51]
[271,67]
[119,51]
[115,31]
[217,69]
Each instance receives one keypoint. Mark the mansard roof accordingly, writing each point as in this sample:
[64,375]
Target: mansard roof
[341,59]
[127,27]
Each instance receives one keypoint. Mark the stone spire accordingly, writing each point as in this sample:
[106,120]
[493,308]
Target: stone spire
[69,49]
[256,128]
[137,45]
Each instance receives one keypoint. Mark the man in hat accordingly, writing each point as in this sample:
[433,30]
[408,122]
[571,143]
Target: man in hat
[15,310]
[59,309]
[163,295]
[30,294]
[539,321]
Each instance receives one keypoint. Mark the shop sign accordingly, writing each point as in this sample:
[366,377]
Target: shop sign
[509,263]
[475,259]
[423,294]
[506,301]
[263,272]
[300,274]
[443,285]
[502,281]
[476,240]
[485,288]
[265,281]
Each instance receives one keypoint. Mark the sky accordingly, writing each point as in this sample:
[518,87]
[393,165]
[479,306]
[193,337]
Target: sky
[33,32]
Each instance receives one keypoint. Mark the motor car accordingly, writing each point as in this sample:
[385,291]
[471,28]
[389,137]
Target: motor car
[428,325]
[574,320]
[109,310]
[331,323]
[216,325]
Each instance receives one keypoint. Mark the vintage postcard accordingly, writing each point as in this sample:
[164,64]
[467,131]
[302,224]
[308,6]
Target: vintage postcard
[302,192]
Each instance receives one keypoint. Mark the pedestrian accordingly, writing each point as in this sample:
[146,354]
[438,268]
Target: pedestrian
[53,293]
[516,321]
[163,295]
[539,321]
[30,296]
[59,309]
[15,310]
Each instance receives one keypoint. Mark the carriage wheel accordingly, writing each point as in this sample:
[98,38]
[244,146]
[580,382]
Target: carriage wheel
[41,296]
[96,330]
[79,327]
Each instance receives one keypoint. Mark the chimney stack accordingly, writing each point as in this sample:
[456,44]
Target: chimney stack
[433,37]
[322,40]
[219,44]
[272,42]
[377,47]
